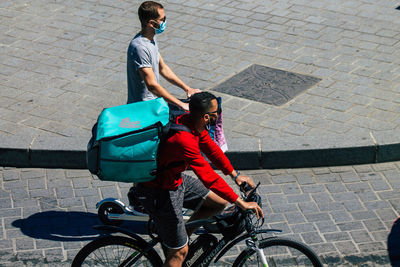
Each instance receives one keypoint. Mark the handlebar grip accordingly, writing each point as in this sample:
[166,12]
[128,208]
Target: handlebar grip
[244,187]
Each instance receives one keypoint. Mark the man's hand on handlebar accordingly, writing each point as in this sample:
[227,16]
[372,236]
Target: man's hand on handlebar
[242,178]
[249,206]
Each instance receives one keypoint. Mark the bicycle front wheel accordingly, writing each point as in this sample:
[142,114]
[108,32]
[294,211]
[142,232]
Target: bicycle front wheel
[280,252]
[114,251]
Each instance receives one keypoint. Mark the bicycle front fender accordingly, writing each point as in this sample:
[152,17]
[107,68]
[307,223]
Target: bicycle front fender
[241,238]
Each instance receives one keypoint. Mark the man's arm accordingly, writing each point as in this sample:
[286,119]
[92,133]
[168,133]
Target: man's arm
[149,78]
[170,76]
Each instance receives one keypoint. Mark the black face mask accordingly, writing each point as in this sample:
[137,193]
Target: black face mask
[213,121]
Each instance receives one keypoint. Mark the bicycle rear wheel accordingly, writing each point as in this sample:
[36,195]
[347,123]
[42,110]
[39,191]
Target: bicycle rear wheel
[114,251]
[280,252]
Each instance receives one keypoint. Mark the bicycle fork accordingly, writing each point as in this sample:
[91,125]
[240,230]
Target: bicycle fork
[252,244]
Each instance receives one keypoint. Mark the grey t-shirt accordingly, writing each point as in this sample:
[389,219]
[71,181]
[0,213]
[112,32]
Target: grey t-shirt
[142,53]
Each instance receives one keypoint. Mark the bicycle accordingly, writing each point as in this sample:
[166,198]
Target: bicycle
[235,226]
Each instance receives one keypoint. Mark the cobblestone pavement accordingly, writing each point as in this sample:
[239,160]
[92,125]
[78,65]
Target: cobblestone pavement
[61,62]
[344,213]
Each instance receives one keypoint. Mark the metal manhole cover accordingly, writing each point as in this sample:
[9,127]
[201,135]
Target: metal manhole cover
[267,85]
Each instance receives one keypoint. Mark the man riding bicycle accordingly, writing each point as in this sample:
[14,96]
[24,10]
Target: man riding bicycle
[164,197]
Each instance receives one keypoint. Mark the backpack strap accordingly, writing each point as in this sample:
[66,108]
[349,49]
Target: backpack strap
[168,130]
[179,127]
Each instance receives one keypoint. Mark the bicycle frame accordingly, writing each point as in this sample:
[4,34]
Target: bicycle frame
[218,251]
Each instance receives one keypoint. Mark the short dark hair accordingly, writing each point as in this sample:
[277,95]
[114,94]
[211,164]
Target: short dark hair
[148,10]
[200,103]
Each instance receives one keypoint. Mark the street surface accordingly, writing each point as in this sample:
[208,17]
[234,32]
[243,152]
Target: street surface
[344,213]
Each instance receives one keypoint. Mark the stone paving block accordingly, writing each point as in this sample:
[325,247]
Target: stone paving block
[327,178]
[24,244]
[326,226]
[277,199]
[13,233]
[358,187]
[364,215]
[308,207]
[330,206]
[82,192]
[335,187]
[374,225]
[387,195]
[64,192]
[321,198]
[340,216]
[36,183]
[370,176]
[377,205]
[303,228]
[324,248]
[275,218]
[268,189]
[81,182]
[361,236]
[380,235]
[282,179]
[10,175]
[289,189]
[313,188]
[312,238]
[28,174]
[353,205]
[346,248]
[5,244]
[379,185]
[54,255]
[367,196]
[372,247]
[109,192]
[70,202]
[294,217]
[19,193]
[284,208]
[35,256]
[395,204]
[12,212]
[15,184]
[44,193]
[298,198]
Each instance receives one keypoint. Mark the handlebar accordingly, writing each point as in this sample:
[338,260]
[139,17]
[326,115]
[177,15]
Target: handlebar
[250,194]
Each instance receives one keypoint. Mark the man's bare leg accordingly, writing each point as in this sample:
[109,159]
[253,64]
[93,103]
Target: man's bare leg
[212,205]
[176,257]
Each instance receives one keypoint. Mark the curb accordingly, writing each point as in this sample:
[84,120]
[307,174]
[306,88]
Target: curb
[244,153]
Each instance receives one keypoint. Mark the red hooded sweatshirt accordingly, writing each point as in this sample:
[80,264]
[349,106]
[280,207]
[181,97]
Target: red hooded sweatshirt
[185,147]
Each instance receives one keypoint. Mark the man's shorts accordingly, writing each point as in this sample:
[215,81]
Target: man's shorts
[165,207]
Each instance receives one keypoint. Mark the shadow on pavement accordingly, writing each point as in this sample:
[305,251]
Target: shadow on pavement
[59,225]
[67,226]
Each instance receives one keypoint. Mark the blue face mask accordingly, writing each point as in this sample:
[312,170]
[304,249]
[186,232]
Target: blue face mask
[161,28]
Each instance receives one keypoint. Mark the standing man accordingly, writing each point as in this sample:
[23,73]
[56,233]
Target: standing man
[145,64]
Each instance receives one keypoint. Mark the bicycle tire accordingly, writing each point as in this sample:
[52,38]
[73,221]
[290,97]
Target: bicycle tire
[112,251]
[297,254]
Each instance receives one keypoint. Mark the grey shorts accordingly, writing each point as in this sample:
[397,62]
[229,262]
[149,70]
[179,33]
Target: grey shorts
[165,207]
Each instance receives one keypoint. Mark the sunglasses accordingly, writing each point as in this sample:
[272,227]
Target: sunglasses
[218,111]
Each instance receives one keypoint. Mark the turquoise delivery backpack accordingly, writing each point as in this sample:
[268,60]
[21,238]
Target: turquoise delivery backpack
[125,141]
